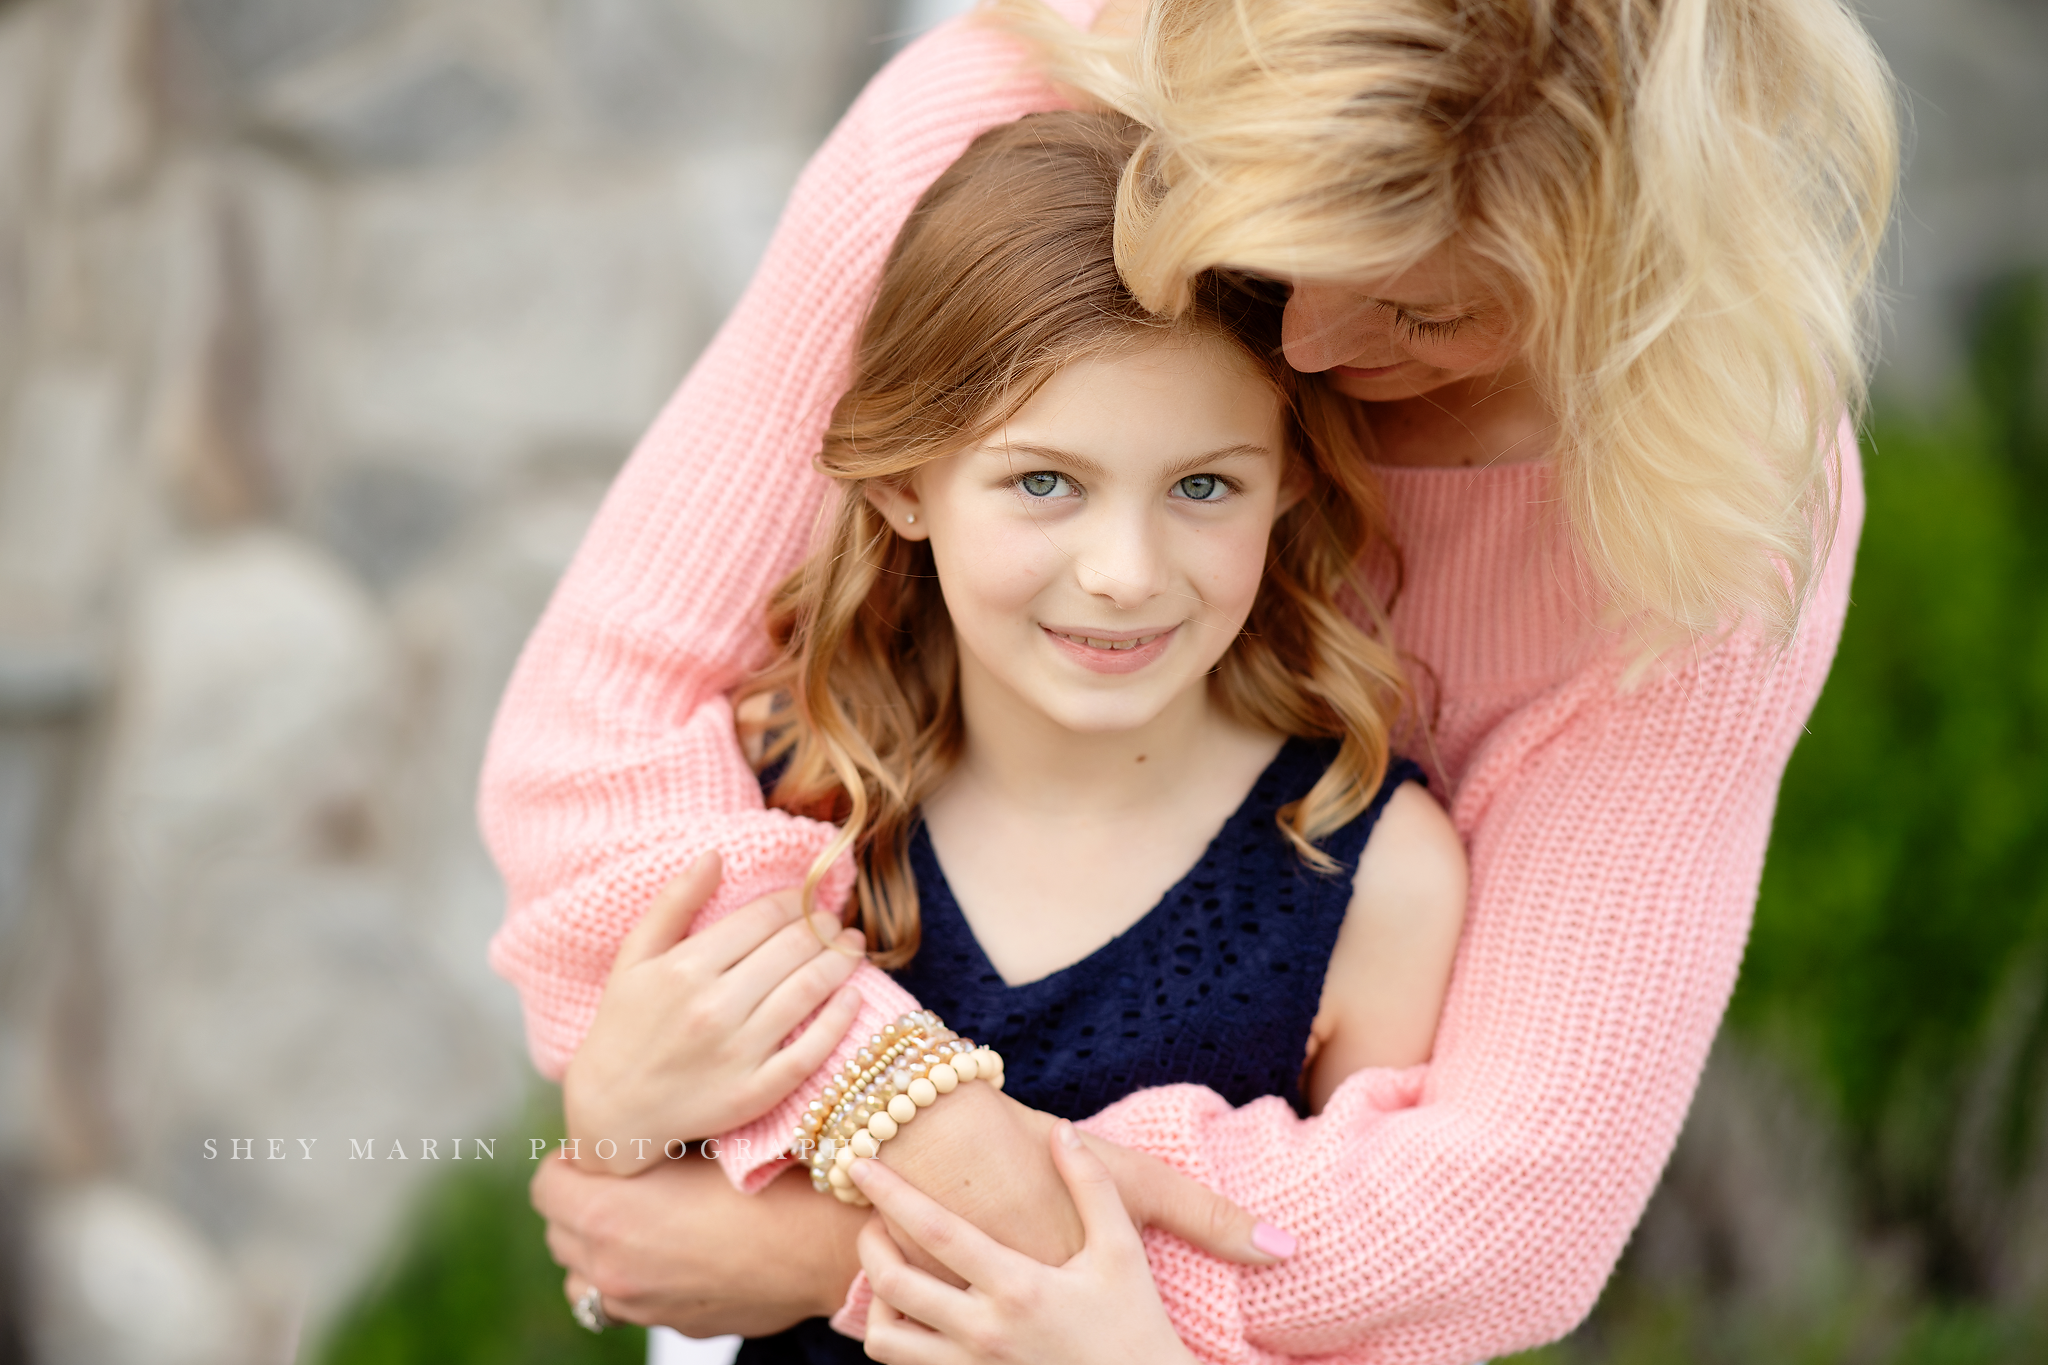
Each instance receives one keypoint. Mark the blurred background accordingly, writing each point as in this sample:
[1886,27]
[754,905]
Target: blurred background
[323,325]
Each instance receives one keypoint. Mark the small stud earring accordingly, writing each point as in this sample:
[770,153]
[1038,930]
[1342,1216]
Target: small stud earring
[912,519]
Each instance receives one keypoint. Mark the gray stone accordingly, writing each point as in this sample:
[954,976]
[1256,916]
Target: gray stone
[439,112]
[487,324]
[125,1281]
[60,495]
[263,948]
[251,39]
[647,68]
[24,791]
[383,519]
[1975,201]
[413,277]
[42,681]
[662,67]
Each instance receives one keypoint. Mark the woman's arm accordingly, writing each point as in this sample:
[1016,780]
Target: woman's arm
[679,1246]
[1477,1207]
[613,762]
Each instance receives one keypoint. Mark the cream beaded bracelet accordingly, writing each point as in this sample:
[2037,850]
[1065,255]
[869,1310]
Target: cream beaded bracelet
[903,1069]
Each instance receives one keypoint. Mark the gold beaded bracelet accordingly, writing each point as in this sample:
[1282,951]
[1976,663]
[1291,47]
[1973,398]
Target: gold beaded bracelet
[903,1069]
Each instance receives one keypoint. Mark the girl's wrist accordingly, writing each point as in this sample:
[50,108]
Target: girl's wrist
[985,1157]
[875,1095]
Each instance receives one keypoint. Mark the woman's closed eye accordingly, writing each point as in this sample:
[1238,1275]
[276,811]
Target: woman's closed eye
[1043,485]
[1430,329]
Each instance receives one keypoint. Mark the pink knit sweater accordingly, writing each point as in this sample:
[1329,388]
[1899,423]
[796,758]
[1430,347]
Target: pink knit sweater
[1446,1213]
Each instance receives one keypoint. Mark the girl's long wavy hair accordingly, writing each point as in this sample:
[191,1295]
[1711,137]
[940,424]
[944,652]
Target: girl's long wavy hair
[1005,272]
[1683,200]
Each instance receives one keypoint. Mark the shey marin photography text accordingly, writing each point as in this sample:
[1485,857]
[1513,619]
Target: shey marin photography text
[431,1149]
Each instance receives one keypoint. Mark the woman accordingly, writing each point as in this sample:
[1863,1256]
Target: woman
[1596,270]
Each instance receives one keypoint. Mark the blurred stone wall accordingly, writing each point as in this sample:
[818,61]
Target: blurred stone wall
[1974,75]
[323,324]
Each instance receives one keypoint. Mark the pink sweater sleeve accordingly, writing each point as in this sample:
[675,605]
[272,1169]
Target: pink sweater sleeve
[613,763]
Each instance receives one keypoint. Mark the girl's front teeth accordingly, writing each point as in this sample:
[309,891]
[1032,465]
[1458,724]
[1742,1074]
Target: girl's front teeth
[1094,643]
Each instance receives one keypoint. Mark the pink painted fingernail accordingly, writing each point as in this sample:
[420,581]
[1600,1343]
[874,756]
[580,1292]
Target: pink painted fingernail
[1278,1243]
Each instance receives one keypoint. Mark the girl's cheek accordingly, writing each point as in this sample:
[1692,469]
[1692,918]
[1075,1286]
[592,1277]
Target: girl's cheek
[1233,565]
[1003,566]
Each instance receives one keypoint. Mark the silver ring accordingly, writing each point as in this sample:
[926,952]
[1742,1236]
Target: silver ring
[589,1311]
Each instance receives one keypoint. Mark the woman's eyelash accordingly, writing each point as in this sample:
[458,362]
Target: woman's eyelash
[1430,329]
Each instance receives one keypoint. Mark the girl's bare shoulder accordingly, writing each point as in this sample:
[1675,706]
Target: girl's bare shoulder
[1413,871]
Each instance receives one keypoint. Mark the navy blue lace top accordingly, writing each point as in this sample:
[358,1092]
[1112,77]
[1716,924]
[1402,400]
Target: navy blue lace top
[1216,985]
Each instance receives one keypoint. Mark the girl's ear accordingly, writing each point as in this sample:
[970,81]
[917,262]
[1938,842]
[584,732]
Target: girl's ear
[899,505]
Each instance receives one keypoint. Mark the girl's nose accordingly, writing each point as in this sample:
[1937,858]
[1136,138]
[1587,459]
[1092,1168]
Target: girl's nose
[1122,563]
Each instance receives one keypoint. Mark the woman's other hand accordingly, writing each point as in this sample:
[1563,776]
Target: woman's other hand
[680,1247]
[1099,1306]
[688,1039]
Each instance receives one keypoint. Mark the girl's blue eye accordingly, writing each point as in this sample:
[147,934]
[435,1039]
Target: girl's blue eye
[1042,484]
[1201,487]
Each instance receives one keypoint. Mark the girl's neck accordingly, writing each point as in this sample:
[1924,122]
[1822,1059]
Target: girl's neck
[1054,841]
[1020,756]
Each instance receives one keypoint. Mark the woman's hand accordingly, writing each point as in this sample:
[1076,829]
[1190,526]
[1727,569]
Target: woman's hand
[688,1036]
[1100,1306]
[680,1247]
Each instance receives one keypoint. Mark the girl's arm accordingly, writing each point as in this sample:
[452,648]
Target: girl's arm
[1391,967]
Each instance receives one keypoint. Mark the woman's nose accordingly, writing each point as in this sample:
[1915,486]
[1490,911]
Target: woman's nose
[1327,324]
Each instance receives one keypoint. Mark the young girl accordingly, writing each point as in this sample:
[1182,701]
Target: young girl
[1079,609]
[1070,670]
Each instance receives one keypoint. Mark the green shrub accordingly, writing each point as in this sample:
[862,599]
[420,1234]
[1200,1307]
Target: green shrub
[472,1284]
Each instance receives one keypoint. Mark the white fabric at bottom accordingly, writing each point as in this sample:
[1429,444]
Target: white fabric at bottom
[668,1347]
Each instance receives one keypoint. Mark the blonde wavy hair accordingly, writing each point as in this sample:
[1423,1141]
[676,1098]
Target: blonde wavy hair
[1005,272]
[1682,201]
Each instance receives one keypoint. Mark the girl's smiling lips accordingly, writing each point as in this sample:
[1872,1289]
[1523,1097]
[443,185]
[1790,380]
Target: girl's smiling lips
[1110,651]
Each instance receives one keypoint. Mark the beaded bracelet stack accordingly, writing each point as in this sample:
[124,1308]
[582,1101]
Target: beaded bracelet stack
[903,1069]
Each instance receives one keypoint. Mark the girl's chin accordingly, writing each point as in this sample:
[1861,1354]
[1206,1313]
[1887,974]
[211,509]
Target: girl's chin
[1099,711]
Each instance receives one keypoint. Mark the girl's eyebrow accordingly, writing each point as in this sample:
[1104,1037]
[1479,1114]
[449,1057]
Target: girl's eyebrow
[1081,464]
